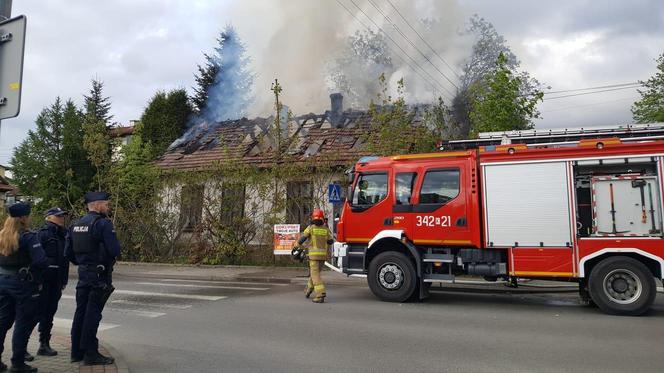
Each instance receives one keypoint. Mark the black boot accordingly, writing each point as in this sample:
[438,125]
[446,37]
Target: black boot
[76,358]
[46,350]
[3,367]
[95,358]
[22,368]
[29,357]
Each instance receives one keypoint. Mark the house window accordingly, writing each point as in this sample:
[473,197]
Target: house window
[232,203]
[191,206]
[299,202]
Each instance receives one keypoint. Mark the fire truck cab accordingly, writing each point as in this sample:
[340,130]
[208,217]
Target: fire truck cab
[587,211]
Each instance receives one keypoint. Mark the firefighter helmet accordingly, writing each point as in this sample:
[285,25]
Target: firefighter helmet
[298,254]
[317,214]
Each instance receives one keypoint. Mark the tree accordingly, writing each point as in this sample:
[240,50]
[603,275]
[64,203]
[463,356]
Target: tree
[650,108]
[355,73]
[481,64]
[97,107]
[165,119]
[96,140]
[499,104]
[50,164]
[392,128]
[224,84]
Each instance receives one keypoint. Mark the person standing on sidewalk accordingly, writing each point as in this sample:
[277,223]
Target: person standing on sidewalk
[321,238]
[21,254]
[93,246]
[52,237]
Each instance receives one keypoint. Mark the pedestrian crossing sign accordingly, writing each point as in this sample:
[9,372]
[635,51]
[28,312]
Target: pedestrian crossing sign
[334,193]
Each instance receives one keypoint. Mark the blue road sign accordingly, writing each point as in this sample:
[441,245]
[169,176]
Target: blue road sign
[334,193]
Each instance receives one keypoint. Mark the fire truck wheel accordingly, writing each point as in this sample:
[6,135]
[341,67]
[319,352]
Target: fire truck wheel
[392,277]
[621,285]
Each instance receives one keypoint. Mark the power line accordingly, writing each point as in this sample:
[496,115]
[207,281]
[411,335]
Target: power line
[401,49]
[589,93]
[593,88]
[423,40]
[588,105]
[411,43]
[393,51]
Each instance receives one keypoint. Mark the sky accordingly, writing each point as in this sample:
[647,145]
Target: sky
[138,47]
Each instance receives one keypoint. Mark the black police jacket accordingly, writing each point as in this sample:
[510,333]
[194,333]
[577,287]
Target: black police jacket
[92,241]
[53,239]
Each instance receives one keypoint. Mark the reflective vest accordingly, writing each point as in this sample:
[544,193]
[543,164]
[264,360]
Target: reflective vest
[319,235]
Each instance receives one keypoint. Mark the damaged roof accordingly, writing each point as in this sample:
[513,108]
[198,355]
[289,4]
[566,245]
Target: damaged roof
[337,138]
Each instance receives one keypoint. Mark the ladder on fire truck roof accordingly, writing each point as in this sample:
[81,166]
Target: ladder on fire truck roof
[559,136]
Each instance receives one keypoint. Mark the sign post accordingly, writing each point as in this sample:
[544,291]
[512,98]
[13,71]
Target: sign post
[334,193]
[12,48]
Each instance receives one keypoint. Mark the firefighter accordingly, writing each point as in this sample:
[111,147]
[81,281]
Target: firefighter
[21,255]
[52,237]
[321,238]
[93,247]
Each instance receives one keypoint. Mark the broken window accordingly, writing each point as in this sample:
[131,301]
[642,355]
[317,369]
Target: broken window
[299,202]
[191,206]
[232,203]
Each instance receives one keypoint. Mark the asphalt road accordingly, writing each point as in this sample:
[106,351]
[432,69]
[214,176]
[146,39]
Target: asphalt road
[204,326]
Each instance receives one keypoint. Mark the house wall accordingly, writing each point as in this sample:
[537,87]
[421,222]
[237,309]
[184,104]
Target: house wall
[258,203]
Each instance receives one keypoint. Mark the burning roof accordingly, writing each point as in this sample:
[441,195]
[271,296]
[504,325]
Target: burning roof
[253,141]
[335,135]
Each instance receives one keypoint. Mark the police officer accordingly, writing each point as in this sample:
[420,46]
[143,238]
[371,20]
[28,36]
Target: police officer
[21,255]
[92,246]
[321,238]
[54,279]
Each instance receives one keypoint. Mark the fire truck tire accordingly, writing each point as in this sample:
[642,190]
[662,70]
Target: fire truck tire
[392,277]
[621,285]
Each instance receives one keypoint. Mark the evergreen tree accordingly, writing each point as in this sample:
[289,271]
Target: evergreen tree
[79,172]
[165,119]
[650,108]
[96,140]
[228,94]
[97,107]
[204,79]
[50,164]
[499,104]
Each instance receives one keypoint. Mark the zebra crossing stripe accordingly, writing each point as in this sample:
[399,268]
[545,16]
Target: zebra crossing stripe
[202,286]
[66,323]
[170,295]
[223,282]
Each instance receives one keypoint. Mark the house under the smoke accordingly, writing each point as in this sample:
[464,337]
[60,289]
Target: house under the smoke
[335,135]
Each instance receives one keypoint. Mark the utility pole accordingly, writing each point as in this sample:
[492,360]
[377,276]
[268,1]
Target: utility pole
[5,14]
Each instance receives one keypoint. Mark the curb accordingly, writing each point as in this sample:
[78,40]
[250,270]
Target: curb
[120,364]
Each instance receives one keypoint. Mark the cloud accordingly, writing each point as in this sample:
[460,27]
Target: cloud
[140,46]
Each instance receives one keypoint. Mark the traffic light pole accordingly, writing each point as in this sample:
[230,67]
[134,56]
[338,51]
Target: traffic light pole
[5,13]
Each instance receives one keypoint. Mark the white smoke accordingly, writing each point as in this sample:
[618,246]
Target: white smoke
[304,36]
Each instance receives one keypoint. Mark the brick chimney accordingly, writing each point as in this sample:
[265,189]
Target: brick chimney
[336,117]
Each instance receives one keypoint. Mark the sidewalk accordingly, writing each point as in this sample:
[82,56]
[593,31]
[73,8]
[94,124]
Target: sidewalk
[291,275]
[61,363]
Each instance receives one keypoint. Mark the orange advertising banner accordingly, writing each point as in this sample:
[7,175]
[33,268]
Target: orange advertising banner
[285,237]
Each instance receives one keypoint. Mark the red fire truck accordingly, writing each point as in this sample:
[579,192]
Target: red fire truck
[586,211]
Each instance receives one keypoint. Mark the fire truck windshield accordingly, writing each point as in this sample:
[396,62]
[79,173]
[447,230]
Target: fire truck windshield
[370,189]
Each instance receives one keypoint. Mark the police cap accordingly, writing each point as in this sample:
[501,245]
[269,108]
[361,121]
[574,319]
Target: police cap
[96,196]
[19,209]
[56,211]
